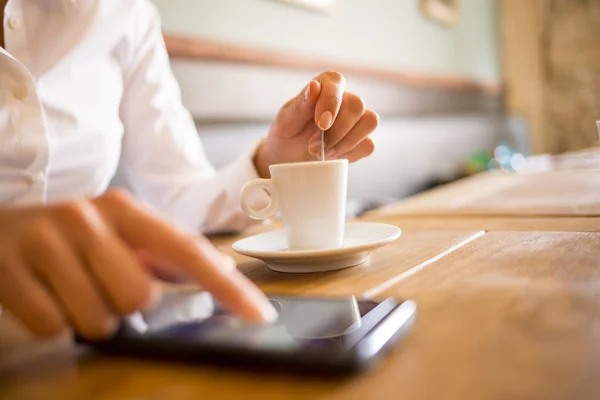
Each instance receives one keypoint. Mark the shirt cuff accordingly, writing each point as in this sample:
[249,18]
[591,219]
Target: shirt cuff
[246,170]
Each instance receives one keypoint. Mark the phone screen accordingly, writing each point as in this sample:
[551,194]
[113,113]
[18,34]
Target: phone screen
[304,324]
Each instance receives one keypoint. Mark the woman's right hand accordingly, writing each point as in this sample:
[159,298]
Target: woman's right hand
[84,263]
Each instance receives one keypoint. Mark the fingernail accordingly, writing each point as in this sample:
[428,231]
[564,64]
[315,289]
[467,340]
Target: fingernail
[111,325]
[269,313]
[330,154]
[325,120]
[229,263]
[262,307]
[307,92]
[314,148]
[155,296]
[315,138]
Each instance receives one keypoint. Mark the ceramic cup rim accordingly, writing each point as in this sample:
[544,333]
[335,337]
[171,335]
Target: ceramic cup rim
[306,164]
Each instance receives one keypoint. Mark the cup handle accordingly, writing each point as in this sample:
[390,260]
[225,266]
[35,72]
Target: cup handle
[270,209]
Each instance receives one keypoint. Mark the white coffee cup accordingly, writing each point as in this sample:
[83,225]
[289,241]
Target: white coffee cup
[311,200]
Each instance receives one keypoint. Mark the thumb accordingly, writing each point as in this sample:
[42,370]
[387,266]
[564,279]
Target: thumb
[300,110]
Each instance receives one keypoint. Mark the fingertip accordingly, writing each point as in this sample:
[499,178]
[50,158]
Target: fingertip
[102,328]
[155,294]
[314,149]
[325,120]
[311,92]
[315,89]
[269,314]
[251,302]
[49,325]
[263,311]
[229,264]
[315,138]
[329,102]
[373,144]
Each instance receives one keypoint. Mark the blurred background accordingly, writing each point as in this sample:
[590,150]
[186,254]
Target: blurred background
[453,80]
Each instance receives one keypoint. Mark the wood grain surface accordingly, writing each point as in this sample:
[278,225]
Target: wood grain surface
[510,315]
[487,223]
[568,192]
[411,250]
[590,152]
[513,315]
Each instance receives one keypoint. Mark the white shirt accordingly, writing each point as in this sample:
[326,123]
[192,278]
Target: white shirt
[85,84]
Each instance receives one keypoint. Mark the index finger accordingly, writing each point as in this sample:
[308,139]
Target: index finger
[196,258]
[330,99]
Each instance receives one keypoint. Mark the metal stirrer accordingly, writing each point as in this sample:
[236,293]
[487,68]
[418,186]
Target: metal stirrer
[322,145]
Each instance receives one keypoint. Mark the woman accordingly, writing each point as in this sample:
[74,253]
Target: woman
[84,85]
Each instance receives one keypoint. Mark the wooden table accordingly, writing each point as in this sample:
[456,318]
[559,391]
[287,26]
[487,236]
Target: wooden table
[508,297]
[502,315]
[565,197]
[589,153]
[554,193]
[487,223]
[510,316]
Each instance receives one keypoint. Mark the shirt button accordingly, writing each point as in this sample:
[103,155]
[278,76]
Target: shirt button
[20,93]
[14,22]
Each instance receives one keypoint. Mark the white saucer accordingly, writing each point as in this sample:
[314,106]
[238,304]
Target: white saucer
[359,240]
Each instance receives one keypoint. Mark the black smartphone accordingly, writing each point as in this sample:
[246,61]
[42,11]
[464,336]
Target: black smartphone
[312,334]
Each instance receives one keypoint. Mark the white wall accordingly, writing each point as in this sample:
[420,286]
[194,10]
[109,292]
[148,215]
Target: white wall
[236,92]
[410,152]
[384,33]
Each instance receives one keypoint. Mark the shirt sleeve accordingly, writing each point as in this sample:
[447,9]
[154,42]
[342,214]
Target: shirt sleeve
[163,158]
